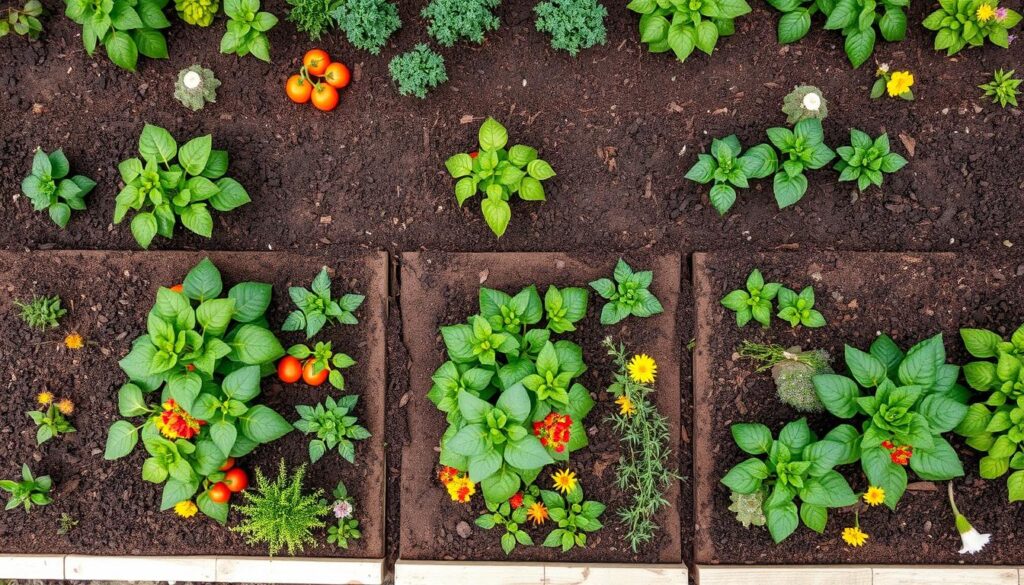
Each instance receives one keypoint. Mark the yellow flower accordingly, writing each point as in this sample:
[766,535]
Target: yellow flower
[626,406]
[985,13]
[74,341]
[642,369]
[537,513]
[461,489]
[874,496]
[65,406]
[44,397]
[854,536]
[185,509]
[900,83]
[565,480]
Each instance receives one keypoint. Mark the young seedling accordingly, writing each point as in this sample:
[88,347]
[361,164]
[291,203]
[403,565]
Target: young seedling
[754,302]
[347,528]
[867,161]
[798,309]
[51,418]
[627,295]
[1003,88]
[124,38]
[47,188]
[22,21]
[41,313]
[247,29]
[574,516]
[334,426]
[317,308]
[682,27]
[803,148]
[730,168]
[30,491]
[970,23]
[509,518]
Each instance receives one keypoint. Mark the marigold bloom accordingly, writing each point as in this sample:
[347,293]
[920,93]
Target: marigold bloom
[642,369]
[66,406]
[461,489]
[175,423]
[185,509]
[553,431]
[985,13]
[565,480]
[854,536]
[447,474]
[874,496]
[900,83]
[537,513]
[44,397]
[74,341]
[626,406]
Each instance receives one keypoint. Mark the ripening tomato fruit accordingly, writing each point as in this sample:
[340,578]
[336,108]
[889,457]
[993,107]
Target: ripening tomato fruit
[474,154]
[313,379]
[219,493]
[227,464]
[289,370]
[236,480]
[178,288]
[325,97]
[337,75]
[316,61]
[298,89]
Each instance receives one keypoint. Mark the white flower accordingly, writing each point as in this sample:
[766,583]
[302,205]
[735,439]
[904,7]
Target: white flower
[812,102]
[883,68]
[342,509]
[974,541]
[192,80]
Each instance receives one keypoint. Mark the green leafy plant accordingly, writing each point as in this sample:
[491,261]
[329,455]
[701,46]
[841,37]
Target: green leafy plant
[995,426]
[1003,88]
[792,370]
[796,466]
[47,188]
[803,148]
[451,21]
[804,102]
[498,174]
[50,422]
[30,491]
[324,358]
[66,523]
[907,402]
[574,516]
[170,184]
[643,469]
[22,21]
[316,308]
[247,29]
[729,167]
[418,71]
[867,161]
[857,19]
[313,17]
[41,312]
[503,515]
[572,24]
[799,309]
[508,390]
[368,24]
[280,513]
[196,86]
[682,26]
[347,528]
[754,302]
[334,426]
[125,28]
[197,12]
[968,23]
[627,295]
[206,355]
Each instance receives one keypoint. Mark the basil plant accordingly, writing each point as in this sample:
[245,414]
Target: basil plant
[906,401]
[508,389]
[205,353]
[681,26]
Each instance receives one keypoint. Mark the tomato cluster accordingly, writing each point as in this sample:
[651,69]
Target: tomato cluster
[235,480]
[318,81]
[290,370]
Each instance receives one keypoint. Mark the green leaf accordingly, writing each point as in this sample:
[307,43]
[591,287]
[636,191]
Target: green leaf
[121,439]
[223,435]
[492,135]
[150,43]
[753,438]
[782,521]
[460,165]
[251,300]
[497,213]
[194,154]
[540,170]
[157,144]
[263,425]
[255,345]
[143,228]
[938,463]
[794,26]
[217,511]
[527,453]
[722,198]
[122,50]
[868,370]
[789,189]
[859,45]
[197,219]
[814,517]
[980,343]
[838,394]
[231,195]
[130,401]
[203,281]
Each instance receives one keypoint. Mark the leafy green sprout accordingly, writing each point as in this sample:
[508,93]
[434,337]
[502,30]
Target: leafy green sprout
[30,491]
[324,358]
[1003,88]
[754,302]
[49,187]
[247,29]
[334,426]
[574,516]
[347,527]
[41,312]
[502,515]
[682,27]
[22,21]
[50,422]
[730,168]
[627,295]
[798,309]
[803,148]
[867,161]
[316,308]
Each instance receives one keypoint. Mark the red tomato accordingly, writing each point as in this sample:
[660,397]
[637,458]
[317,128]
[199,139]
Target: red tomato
[316,61]
[219,493]
[177,288]
[298,89]
[236,480]
[313,379]
[474,154]
[227,464]
[289,370]
[325,97]
[337,75]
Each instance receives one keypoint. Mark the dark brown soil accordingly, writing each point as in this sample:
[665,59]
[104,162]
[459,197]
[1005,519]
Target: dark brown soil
[440,289]
[108,296]
[908,296]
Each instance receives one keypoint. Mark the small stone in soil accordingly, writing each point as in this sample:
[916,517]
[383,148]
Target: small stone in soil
[463,529]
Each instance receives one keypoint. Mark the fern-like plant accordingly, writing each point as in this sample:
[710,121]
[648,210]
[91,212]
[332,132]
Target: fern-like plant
[418,71]
[279,514]
[450,21]
[572,24]
[368,24]
[313,17]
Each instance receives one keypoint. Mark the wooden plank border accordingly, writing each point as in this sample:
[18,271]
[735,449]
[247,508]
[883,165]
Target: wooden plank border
[511,573]
[856,575]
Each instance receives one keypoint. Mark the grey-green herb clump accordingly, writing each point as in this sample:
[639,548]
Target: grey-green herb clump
[572,24]
[195,87]
[47,188]
[805,101]
[748,508]
[450,21]
[280,514]
[418,71]
[368,24]
[41,312]
[793,371]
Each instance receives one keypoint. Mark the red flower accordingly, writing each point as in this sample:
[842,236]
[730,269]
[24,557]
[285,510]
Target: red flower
[447,474]
[553,431]
[176,423]
[887,445]
[899,455]
[516,500]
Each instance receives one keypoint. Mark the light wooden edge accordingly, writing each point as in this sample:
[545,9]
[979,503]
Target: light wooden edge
[209,569]
[857,575]
[516,573]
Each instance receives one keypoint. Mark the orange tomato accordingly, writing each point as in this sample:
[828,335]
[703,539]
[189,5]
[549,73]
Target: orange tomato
[289,370]
[219,493]
[337,75]
[316,61]
[227,464]
[325,97]
[298,89]
[177,288]
[236,480]
[313,379]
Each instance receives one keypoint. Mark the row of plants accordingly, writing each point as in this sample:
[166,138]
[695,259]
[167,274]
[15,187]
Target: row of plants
[202,358]
[901,406]
[511,395]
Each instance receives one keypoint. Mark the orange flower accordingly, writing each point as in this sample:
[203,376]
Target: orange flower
[175,423]
[461,489]
[447,474]
[553,431]
[65,406]
[74,341]
[44,398]
[537,513]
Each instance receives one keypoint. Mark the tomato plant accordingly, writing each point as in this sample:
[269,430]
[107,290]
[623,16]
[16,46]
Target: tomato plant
[236,480]
[337,75]
[227,464]
[289,370]
[219,493]
[312,375]
[322,363]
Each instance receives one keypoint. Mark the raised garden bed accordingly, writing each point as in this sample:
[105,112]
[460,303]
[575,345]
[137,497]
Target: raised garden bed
[439,289]
[107,295]
[908,296]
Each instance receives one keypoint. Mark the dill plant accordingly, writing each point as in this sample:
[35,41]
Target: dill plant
[643,468]
[279,514]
